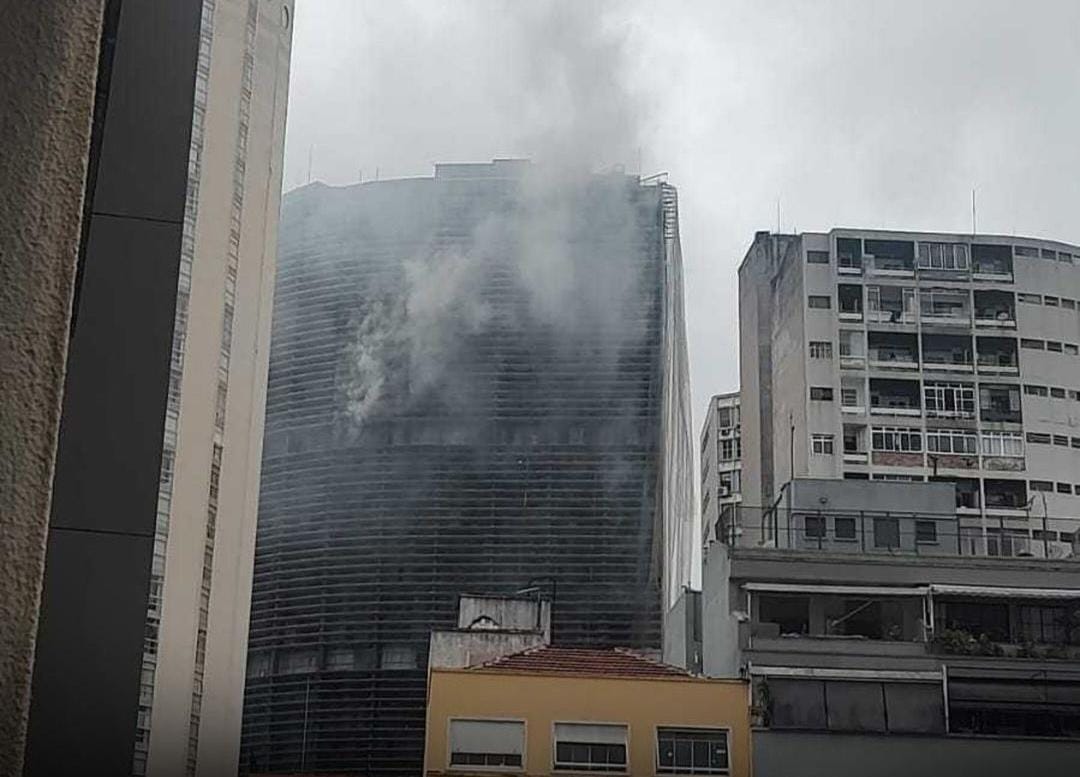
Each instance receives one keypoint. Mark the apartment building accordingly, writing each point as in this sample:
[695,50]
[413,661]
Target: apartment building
[142,633]
[870,643]
[558,710]
[918,357]
[721,461]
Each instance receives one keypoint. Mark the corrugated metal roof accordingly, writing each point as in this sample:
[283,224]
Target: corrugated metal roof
[605,662]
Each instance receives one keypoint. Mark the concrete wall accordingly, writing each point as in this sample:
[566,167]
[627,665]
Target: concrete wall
[719,627]
[504,612]
[48,68]
[682,635]
[541,700]
[797,754]
[459,649]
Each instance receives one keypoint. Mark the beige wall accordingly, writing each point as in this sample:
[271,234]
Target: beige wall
[234,533]
[541,700]
[48,67]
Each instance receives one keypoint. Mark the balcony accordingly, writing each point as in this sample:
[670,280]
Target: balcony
[850,302]
[945,307]
[893,258]
[893,350]
[894,397]
[1000,403]
[995,309]
[993,263]
[890,305]
[947,353]
[997,356]
[849,256]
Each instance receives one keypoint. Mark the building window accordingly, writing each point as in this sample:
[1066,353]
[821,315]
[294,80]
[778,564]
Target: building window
[1057,393]
[691,751]
[955,441]
[1002,444]
[817,257]
[1041,485]
[814,526]
[590,747]
[943,256]
[949,400]
[1035,391]
[1069,304]
[1062,440]
[821,444]
[1051,301]
[849,397]
[821,393]
[820,349]
[1031,299]
[926,531]
[791,614]
[1034,345]
[820,302]
[900,440]
[1026,251]
[1053,345]
[1071,349]
[886,533]
[486,743]
[1064,488]
[844,528]
[1049,254]
[1038,438]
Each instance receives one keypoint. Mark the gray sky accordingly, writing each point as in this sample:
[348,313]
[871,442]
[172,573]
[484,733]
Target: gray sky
[851,113]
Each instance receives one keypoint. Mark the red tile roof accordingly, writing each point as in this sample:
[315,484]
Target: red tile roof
[603,662]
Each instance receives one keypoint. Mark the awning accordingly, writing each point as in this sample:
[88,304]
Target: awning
[846,590]
[1002,592]
[818,673]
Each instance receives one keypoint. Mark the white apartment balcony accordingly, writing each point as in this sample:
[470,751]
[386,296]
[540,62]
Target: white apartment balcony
[891,317]
[992,365]
[852,361]
[993,275]
[944,366]
[852,409]
[894,363]
[889,269]
[850,315]
[1000,321]
[912,412]
[946,320]
[856,457]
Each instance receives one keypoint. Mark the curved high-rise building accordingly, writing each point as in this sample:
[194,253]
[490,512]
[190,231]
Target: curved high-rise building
[477,383]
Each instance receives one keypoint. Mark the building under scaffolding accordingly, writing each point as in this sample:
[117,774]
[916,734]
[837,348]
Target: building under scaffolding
[477,383]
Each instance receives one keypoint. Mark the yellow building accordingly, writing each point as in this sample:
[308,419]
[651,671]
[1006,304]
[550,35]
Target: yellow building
[553,711]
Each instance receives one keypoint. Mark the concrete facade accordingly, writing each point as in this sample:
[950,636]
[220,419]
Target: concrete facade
[861,661]
[152,528]
[48,57]
[490,627]
[721,461]
[918,356]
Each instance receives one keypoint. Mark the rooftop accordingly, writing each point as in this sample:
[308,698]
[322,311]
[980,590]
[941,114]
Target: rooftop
[593,662]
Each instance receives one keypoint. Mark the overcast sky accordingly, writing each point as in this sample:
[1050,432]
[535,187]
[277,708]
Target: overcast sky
[855,113]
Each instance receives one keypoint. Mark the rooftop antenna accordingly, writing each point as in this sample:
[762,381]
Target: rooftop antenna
[973,222]
[310,152]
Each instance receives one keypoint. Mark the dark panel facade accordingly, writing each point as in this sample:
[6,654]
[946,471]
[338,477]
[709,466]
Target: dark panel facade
[466,394]
[90,636]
